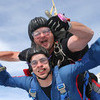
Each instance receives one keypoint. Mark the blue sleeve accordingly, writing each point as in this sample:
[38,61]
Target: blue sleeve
[90,60]
[20,82]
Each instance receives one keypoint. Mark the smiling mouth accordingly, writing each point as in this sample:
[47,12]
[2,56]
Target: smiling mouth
[44,41]
[42,70]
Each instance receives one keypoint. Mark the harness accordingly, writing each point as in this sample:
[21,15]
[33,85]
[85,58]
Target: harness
[59,52]
[94,92]
[64,93]
[59,56]
[33,89]
[86,81]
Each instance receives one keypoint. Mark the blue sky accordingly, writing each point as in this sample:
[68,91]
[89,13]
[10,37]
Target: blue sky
[14,18]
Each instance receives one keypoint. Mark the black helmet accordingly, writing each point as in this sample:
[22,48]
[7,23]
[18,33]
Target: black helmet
[34,24]
[26,54]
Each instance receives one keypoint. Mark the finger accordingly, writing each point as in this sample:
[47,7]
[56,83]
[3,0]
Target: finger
[57,26]
[54,26]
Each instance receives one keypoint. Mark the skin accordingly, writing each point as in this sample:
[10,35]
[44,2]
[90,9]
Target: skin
[9,56]
[81,36]
[42,70]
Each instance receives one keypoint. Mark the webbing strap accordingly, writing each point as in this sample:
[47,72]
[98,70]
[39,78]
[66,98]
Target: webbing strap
[53,8]
[60,85]
[32,93]
[85,84]
[49,13]
[33,89]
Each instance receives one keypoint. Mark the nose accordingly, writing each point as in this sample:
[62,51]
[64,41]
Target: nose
[42,34]
[39,64]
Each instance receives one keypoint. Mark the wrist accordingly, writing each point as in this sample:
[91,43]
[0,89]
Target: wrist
[2,69]
[66,21]
[70,25]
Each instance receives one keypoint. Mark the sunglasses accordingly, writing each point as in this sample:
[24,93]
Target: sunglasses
[34,63]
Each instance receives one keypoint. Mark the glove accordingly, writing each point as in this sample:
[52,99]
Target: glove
[56,23]
[1,65]
[2,68]
[60,35]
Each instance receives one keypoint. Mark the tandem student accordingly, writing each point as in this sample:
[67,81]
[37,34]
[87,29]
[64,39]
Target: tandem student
[48,82]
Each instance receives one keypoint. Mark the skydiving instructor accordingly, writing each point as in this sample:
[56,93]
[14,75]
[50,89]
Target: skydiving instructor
[73,39]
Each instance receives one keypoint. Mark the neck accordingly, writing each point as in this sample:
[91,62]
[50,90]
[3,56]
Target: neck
[47,82]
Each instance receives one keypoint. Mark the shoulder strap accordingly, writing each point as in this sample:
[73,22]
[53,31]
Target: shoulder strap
[33,89]
[82,81]
[60,85]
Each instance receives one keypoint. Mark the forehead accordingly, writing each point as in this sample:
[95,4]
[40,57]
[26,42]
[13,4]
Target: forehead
[37,56]
[41,28]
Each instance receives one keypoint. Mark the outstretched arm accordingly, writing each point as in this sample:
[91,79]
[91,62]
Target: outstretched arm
[7,80]
[9,56]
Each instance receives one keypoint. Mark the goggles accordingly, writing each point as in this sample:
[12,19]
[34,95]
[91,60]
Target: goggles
[44,32]
[43,60]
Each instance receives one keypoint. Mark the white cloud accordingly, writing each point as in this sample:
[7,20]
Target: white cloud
[4,46]
[13,94]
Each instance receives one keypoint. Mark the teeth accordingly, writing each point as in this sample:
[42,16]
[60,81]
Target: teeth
[41,70]
[43,41]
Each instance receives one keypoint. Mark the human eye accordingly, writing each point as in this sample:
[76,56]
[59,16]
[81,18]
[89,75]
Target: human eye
[46,31]
[37,34]
[34,63]
[43,60]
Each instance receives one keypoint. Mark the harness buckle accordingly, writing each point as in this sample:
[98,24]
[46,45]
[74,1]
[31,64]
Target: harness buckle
[2,68]
[61,88]
[32,93]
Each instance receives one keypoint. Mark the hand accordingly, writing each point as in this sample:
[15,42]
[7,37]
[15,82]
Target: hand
[2,68]
[1,65]
[55,23]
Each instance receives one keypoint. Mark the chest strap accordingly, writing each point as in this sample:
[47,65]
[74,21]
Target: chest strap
[60,85]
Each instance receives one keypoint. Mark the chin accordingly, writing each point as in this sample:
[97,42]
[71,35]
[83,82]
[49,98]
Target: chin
[46,47]
[43,77]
